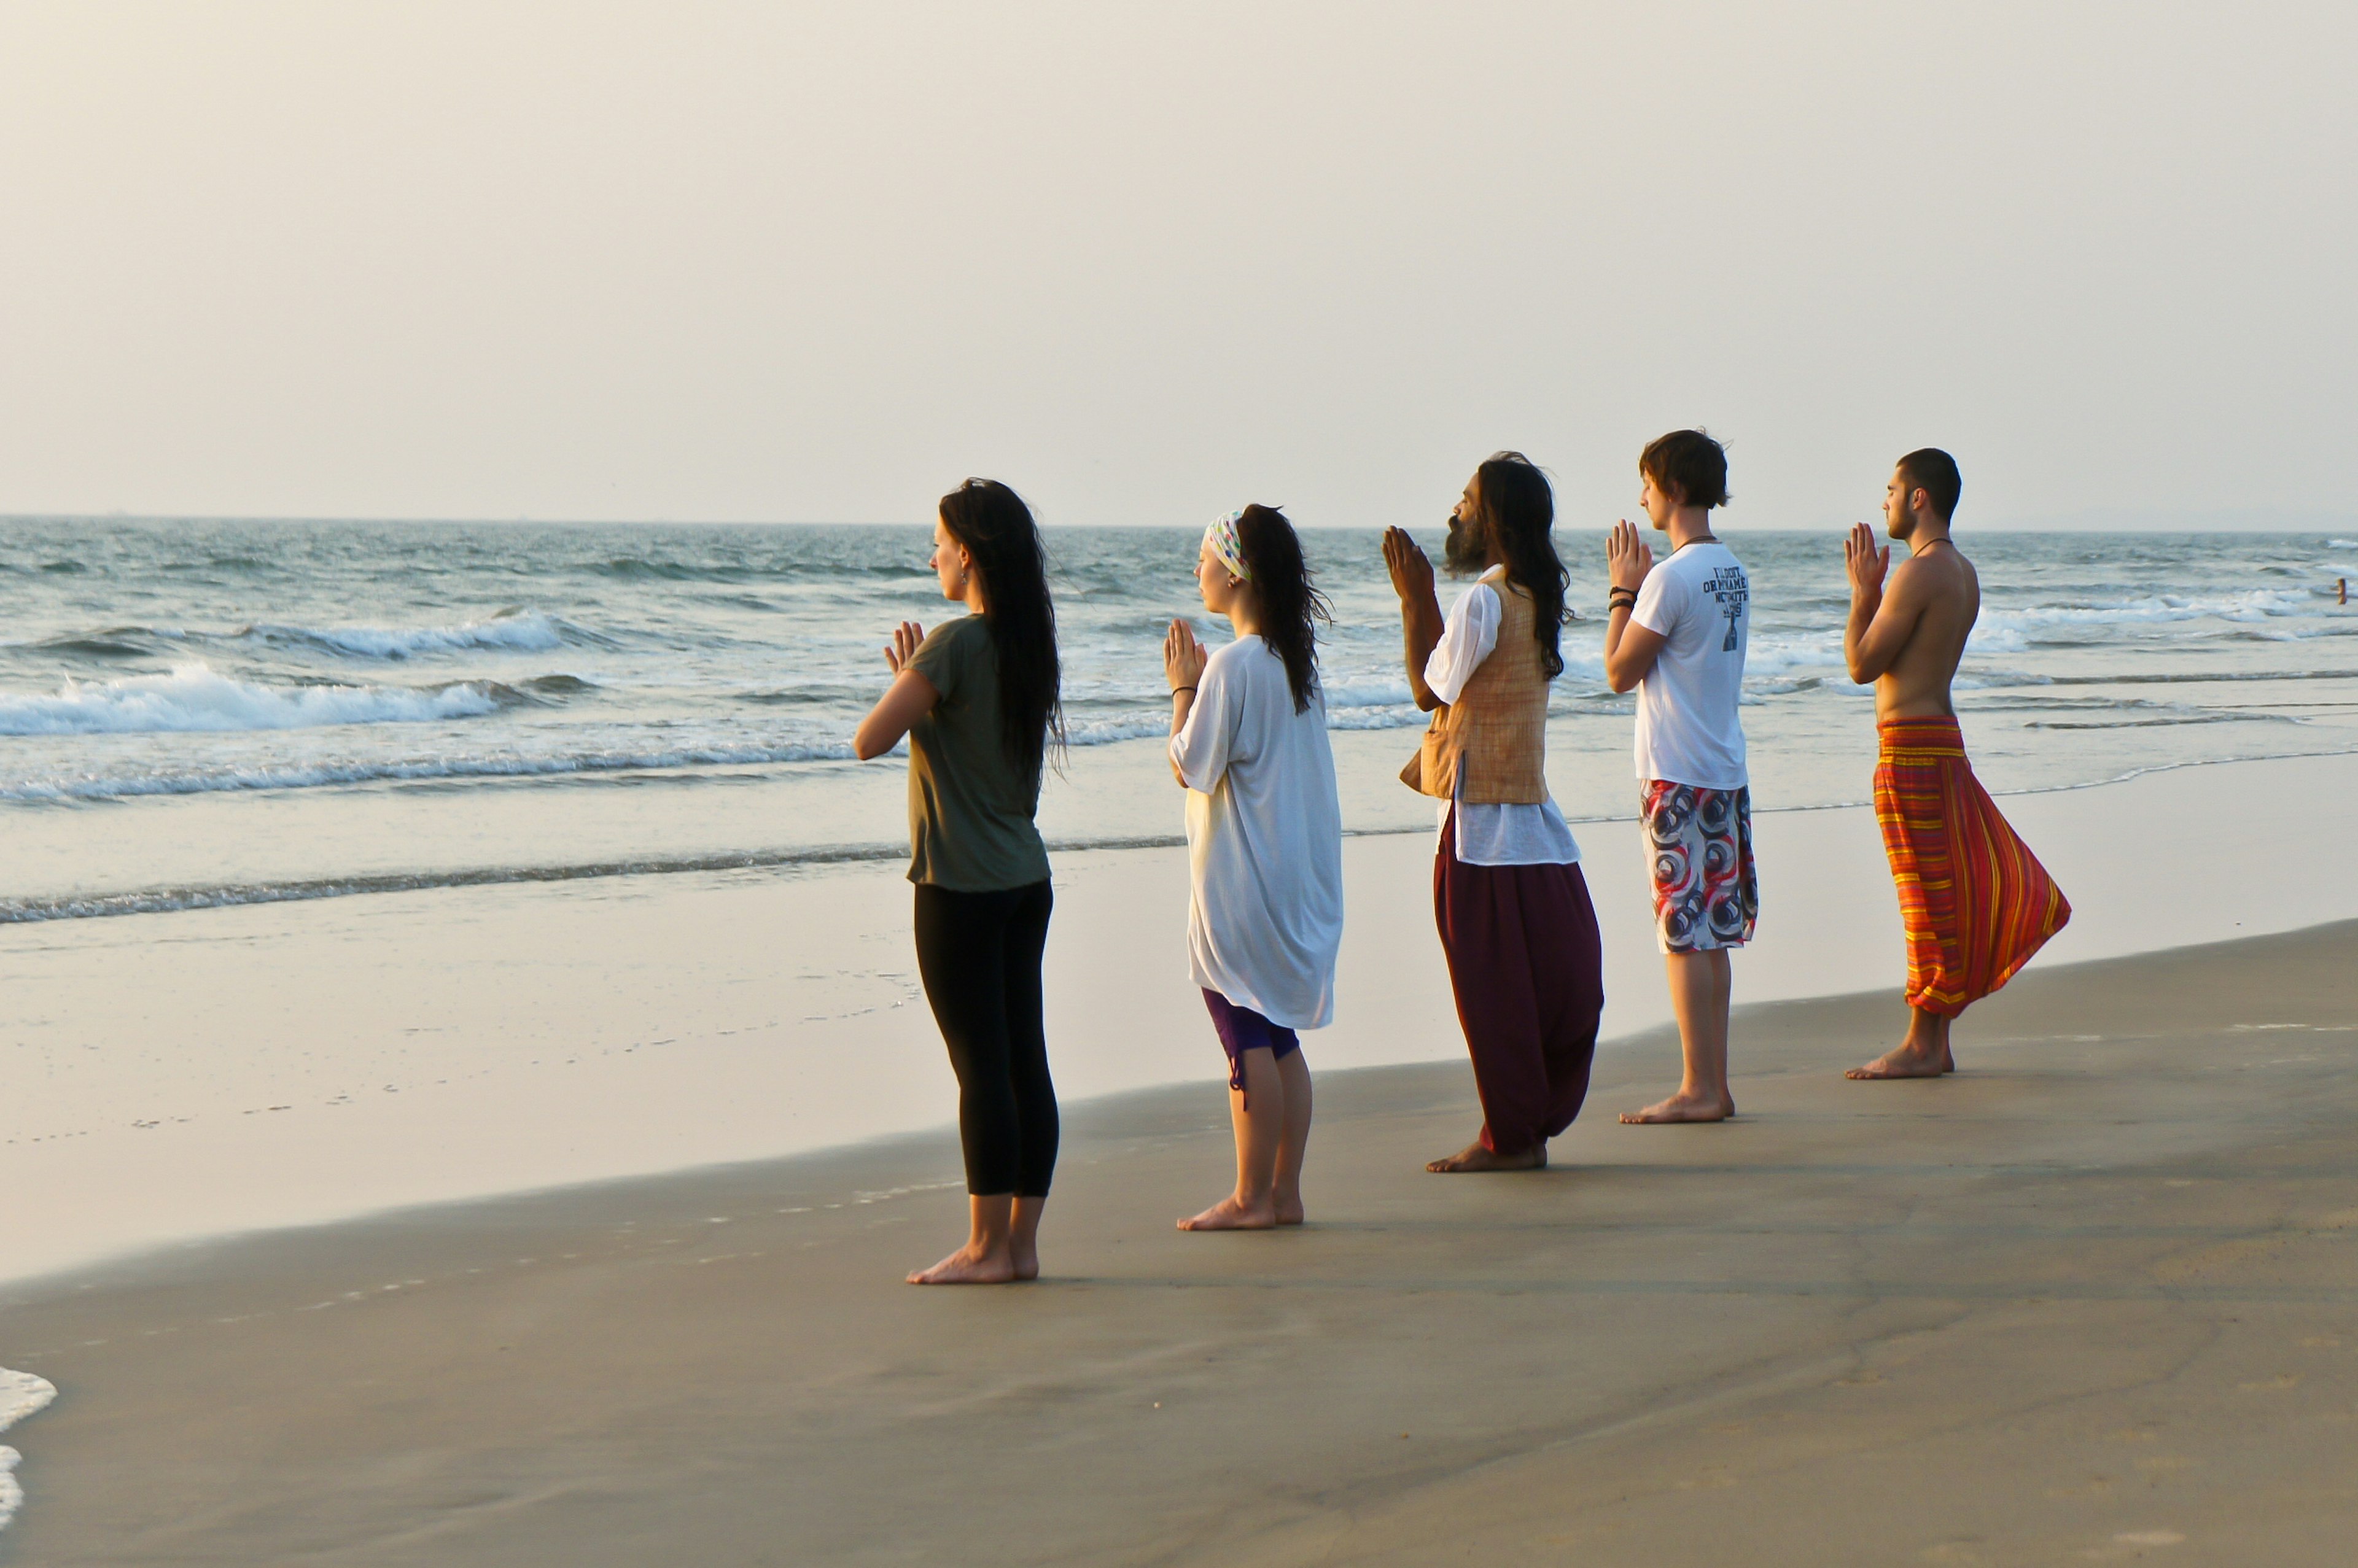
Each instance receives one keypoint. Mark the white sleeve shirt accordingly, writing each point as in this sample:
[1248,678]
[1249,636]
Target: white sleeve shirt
[1264,839]
[1508,835]
[1698,600]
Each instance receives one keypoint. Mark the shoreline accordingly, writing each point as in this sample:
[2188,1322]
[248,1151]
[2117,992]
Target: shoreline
[310,1062]
[38,910]
[2102,1282]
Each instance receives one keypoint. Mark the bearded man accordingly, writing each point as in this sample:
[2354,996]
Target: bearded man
[1525,959]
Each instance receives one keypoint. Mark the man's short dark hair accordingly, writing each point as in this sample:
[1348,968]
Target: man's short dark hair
[1687,464]
[1934,472]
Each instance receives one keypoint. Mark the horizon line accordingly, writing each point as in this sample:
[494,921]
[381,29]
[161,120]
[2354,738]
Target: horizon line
[2237,521]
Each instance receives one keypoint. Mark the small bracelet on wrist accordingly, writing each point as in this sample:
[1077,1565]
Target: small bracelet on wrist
[1177,689]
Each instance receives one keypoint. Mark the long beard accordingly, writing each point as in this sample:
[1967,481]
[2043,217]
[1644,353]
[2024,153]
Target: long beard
[1465,550]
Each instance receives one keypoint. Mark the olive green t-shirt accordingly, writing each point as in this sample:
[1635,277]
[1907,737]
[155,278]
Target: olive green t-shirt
[970,808]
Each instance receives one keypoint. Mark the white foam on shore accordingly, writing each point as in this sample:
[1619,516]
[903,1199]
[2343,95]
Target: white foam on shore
[21,1394]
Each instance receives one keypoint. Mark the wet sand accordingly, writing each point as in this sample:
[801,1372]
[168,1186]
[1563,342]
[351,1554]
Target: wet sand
[2093,1299]
[300,1064]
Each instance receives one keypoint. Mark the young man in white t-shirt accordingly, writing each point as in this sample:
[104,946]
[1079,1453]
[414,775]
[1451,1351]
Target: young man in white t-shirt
[1677,633]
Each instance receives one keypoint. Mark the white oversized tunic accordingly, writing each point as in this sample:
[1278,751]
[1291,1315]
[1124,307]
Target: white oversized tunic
[1265,840]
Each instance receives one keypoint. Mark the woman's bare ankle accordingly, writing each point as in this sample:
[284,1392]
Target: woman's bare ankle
[1236,1212]
[973,1264]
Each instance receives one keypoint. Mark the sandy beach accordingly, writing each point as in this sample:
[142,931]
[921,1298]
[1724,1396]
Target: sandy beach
[523,525]
[2094,1295]
[302,1063]
[2093,1299]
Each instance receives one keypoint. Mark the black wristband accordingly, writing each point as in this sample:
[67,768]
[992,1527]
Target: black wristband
[1177,689]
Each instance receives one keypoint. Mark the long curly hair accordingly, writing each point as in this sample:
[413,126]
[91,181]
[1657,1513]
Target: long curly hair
[1518,509]
[1004,542]
[1291,605]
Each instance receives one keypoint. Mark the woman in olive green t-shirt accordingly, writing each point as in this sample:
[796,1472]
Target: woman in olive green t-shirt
[977,700]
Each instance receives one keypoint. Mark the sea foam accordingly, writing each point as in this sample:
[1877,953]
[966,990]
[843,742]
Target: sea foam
[192,697]
[21,1394]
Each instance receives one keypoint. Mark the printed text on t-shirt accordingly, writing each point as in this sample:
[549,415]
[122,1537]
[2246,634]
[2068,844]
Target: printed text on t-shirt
[1728,588]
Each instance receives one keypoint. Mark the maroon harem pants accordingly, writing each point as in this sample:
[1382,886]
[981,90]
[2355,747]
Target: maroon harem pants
[1529,970]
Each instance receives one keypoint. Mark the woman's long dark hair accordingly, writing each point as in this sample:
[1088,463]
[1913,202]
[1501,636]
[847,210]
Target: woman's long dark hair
[1291,605]
[996,528]
[1518,509]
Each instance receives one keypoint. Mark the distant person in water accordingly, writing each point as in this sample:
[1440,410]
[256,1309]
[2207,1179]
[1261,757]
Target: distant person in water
[977,700]
[1678,632]
[1517,927]
[1264,847]
[1975,902]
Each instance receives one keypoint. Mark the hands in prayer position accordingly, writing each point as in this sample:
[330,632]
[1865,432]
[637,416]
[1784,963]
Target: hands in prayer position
[909,698]
[1865,562]
[1183,656]
[1420,622]
[1628,557]
[1629,649]
[1410,570]
[1182,665]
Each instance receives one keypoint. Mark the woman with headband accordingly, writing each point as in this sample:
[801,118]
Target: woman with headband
[1264,846]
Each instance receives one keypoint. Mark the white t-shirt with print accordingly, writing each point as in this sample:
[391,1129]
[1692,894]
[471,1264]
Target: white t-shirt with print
[1700,603]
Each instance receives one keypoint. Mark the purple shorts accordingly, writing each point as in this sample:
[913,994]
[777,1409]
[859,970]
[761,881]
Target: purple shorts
[1241,1030]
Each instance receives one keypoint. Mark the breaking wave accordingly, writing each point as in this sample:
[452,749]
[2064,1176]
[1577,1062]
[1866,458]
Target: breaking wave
[520,631]
[2250,605]
[193,698]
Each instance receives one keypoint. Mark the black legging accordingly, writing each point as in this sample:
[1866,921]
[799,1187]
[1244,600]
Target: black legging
[980,954]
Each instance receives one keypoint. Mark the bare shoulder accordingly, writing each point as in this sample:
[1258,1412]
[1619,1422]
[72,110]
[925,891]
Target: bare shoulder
[1943,574]
[1966,582]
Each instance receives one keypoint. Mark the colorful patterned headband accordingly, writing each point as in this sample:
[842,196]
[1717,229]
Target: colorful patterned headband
[1220,538]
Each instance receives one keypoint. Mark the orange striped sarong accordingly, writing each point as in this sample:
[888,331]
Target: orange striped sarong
[1974,900]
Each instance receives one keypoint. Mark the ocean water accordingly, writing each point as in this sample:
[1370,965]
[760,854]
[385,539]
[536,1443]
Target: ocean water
[210,712]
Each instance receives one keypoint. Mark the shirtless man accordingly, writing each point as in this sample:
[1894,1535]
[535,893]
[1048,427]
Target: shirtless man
[1977,903]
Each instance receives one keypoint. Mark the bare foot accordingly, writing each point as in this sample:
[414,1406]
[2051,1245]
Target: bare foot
[1906,1061]
[1474,1157]
[1288,1211]
[1681,1108]
[1230,1215]
[967,1267]
[1024,1260]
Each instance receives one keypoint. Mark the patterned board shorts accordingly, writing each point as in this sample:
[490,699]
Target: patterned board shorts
[1699,842]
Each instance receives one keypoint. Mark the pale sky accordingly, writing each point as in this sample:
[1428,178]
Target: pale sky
[1145,263]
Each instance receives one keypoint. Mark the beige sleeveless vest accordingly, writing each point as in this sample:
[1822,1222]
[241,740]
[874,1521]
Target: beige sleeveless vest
[1497,726]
